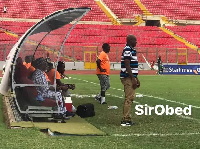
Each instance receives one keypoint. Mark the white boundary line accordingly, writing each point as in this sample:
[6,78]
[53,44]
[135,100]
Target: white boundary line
[84,96]
[181,103]
[157,134]
[181,116]
[150,134]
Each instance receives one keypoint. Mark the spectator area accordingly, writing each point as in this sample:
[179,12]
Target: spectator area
[175,9]
[83,35]
[123,8]
[189,32]
[37,9]
[95,35]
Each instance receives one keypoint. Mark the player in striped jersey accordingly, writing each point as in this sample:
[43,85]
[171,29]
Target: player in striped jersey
[128,76]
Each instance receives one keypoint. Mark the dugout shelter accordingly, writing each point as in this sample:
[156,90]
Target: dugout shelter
[48,35]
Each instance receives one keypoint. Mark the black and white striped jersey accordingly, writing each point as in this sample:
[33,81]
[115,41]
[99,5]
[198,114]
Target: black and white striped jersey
[129,53]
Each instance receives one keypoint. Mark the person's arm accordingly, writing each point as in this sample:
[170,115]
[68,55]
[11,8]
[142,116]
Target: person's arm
[64,87]
[61,86]
[138,82]
[71,86]
[59,83]
[128,69]
[99,65]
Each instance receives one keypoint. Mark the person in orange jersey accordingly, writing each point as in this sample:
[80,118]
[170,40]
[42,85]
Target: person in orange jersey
[27,61]
[103,72]
[59,73]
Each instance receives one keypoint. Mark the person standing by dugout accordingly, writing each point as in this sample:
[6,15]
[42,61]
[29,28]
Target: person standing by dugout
[103,72]
[128,76]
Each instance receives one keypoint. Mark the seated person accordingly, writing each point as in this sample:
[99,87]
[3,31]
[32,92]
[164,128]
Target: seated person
[31,69]
[59,73]
[28,95]
[27,62]
[38,77]
[21,72]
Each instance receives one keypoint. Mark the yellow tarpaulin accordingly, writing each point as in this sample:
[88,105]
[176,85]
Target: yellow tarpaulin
[74,126]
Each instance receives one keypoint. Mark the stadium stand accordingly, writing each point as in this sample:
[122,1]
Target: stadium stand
[94,34]
[175,9]
[189,32]
[123,8]
[37,9]
[5,38]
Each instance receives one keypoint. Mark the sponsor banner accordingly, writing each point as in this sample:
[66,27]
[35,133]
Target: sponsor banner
[182,69]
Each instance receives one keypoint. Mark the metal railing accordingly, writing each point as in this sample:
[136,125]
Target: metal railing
[76,53]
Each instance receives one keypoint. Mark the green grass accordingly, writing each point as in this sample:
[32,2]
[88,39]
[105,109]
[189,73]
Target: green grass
[183,89]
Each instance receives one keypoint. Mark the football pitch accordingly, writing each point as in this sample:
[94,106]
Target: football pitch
[150,131]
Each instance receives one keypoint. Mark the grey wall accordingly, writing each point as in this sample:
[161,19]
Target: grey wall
[113,66]
[74,65]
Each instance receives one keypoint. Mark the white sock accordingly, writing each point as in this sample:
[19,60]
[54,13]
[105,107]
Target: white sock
[73,108]
[99,95]
[103,99]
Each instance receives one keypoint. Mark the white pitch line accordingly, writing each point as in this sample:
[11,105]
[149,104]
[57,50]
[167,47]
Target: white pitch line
[86,96]
[177,102]
[189,118]
[148,135]
[181,116]
[157,134]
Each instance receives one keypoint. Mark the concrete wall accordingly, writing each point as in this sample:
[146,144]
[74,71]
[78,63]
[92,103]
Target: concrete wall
[117,66]
[74,65]
[113,66]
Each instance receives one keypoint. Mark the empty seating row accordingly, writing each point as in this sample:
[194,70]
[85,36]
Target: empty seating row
[6,37]
[123,8]
[16,23]
[191,33]
[175,9]
[38,9]
[95,35]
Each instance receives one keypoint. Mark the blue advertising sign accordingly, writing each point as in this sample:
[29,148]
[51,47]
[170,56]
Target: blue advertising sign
[182,69]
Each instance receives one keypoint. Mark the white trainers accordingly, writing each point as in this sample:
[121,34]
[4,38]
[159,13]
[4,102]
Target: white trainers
[98,98]
[73,109]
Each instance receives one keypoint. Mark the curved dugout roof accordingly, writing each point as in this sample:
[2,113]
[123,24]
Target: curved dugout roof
[51,30]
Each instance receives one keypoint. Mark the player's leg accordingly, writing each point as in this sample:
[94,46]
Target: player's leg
[103,83]
[129,97]
[98,96]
